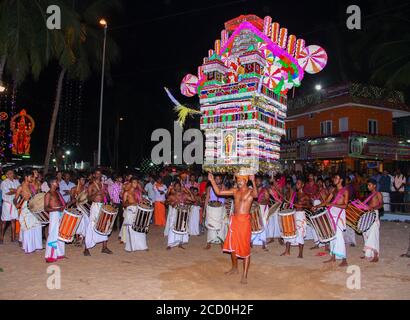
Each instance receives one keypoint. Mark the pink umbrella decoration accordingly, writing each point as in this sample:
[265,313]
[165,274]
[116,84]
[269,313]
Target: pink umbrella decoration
[273,75]
[312,59]
[189,85]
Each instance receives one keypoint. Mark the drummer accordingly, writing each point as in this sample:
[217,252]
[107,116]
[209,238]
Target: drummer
[98,195]
[54,204]
[30,230]
[371,237]
[177,196]
[215,236]
[300,201]
[134,241]
[337,203]
[75,192]
[273,228]
[263,202]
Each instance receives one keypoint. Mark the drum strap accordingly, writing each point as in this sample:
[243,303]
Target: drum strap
[338,196]
[292,201]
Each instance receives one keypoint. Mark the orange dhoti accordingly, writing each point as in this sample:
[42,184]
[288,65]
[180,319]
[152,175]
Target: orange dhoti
[238,239]
[159,214]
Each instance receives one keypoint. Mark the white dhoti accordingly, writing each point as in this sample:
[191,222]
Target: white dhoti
[129,218]
[92,237]
[30,231]
[259,239]
[134,241]
[272,227]
[194,221]
[337,245]
[8,211]
[82,227]
[372,239]
[300,219]
[55,248]
[349,236]
[174,239]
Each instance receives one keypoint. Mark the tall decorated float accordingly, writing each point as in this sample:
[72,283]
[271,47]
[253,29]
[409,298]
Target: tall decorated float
[242,87]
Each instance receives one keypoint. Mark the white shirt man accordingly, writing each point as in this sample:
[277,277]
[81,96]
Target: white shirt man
[65,186]
[149,188]
[399,181]
[9,211]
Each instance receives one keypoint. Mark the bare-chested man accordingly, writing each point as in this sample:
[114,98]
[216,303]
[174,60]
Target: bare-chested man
[177,196]
[273,228]
[134,241]
[238,239]
[336,204]
[54,204]
[98,194]
[36,183]
[80,188]
[372,237]
[30,227]
[300,202]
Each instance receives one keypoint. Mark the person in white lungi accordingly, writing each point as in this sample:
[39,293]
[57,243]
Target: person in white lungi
[259,239]
[215,236]
[134,241]
[30,227]
[336,203]
[9,211]
[54,204]
[195,213]
[372,236]
[177,195]
[273,228]
[299,201]
[98,194]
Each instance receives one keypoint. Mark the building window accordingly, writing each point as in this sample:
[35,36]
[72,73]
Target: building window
[301,132]
[326,127]
[372,126]
[288,133]
[344,124]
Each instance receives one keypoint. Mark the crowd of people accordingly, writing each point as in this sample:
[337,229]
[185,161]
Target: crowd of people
[236,212]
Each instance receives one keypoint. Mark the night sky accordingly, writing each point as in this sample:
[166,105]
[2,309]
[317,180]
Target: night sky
[161,41]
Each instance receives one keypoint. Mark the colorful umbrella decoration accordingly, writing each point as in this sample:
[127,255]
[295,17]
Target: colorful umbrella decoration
[313,59]
[189,85]
[273,75]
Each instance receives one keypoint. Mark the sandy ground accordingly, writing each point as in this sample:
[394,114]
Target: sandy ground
[196,273]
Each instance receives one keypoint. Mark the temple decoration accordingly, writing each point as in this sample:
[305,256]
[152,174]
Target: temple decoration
[21,127]
[242,87]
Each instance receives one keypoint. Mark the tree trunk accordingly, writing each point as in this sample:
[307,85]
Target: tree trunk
[2,65]
[54,120]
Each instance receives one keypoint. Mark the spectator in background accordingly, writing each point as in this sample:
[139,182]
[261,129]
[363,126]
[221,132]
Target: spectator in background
[149,189]
[399,182]
[65,187]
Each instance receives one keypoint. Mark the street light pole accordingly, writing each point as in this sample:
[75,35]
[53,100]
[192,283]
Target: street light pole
[103,23]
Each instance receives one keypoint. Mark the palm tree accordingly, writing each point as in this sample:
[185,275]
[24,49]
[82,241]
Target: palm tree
[78,51]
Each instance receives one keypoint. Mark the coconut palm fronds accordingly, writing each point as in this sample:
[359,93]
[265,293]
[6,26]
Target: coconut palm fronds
[183,111]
